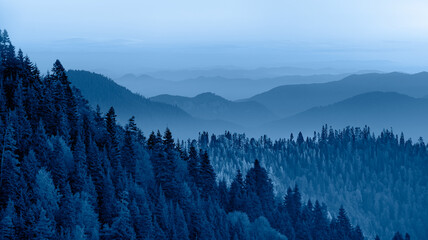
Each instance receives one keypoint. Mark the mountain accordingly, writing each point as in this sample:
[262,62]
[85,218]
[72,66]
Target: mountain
[379,110]
[288,100]
[150,115]
[211,107]
[229,87]
[255,74]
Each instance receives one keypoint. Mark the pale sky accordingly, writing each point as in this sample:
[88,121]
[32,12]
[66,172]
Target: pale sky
[203,33]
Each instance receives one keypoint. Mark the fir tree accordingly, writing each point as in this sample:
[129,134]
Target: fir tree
[207,177]
[7,230]
[9,169]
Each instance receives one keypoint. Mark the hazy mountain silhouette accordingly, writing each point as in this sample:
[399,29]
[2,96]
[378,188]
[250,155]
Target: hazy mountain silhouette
[288,100]
[378,110]
[230,88]
[255,74]
[210,106]
[150,115]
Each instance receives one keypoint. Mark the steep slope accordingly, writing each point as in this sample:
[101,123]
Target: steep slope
[291,99]
[211,107]
[379,110]
[102,91]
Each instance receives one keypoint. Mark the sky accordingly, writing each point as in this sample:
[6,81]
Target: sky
[137,36]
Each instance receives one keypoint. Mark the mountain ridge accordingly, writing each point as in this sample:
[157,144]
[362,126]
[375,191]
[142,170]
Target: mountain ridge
[288,100]
[211,106]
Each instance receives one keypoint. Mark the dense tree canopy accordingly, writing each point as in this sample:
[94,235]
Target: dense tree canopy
[68,172]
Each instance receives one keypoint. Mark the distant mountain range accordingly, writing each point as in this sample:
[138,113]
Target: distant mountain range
[378,110]
[380,101]
[255,74]
[289,100]
[149,115]
[230,88]
[210,106]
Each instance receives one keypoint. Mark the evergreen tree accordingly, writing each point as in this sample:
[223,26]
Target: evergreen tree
[45,227]
[320,227]
[41,145]
[193,163]
[113,149]
[66,216]
[9,169]
[398,236]
[46,194]
[344,225]
[237,194]
[7,230]
[79,173]
[29,167]
[107,201]
[61,159]
[207,177]
[181,231]
[258,184]
[128,152]
[122,225]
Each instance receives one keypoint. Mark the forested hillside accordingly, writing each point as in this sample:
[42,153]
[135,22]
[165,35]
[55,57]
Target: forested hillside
[68,172]
[381,180]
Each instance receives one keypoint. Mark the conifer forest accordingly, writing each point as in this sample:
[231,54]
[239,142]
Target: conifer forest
[71,170]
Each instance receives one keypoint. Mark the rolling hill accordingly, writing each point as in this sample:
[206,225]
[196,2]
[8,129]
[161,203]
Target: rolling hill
[230,88]
[379,110]
[149,115]
[211,107]
[289,100]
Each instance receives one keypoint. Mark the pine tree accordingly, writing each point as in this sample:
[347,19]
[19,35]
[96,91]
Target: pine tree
[398,236]
[164,167]
[320,226]
[193,164]
[292,202]
[21,124]
[65,217]
[113,149]
[141,220]
[61,159]
[344,225]
[9,169]
[79,173]
[357,234]
[44,227]
[86,217]
[122,225]
[46,194]
[7,230]
[181,231]
[107,201]
[207,177]
[29,167]
[237,194]
[41,145]
[258,184]
[128,152]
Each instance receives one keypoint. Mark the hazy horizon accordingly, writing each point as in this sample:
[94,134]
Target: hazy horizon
[116,38]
